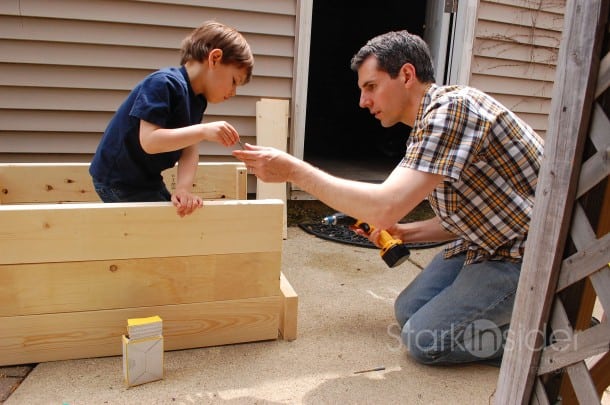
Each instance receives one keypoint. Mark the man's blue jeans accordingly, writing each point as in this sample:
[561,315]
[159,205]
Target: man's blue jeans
[110,194]
[455,313]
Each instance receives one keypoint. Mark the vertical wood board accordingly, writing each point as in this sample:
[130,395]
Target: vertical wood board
[272,130]
[288,310]
[557,181]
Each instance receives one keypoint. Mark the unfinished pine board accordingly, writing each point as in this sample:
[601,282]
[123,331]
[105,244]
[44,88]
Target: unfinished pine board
[98,231]
[44,288]
[288,310]
[39,338]
[71,182]
[272,130]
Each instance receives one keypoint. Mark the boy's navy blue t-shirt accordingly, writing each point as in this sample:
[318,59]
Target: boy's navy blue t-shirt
[164,98]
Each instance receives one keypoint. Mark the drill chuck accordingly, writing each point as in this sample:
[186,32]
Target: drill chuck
[393,251]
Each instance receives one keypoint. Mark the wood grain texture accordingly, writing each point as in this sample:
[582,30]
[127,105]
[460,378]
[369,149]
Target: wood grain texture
[98,231]
[44,288]
[39,338]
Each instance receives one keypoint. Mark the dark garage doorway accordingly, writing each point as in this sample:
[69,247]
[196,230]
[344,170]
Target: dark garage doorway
[341,137]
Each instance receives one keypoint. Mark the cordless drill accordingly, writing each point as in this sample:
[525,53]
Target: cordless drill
[393,252]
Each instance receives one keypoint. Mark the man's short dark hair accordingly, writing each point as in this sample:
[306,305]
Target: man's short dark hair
[393,50]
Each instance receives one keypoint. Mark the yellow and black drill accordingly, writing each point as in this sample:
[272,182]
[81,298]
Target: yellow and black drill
[393,251]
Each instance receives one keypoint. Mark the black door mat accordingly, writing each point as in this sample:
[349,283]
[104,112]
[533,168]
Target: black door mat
[342,234]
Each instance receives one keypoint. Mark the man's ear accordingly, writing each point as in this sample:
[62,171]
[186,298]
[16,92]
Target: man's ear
[215,56]
[408,73]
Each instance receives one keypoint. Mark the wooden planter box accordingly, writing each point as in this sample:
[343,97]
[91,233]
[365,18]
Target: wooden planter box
[71,274]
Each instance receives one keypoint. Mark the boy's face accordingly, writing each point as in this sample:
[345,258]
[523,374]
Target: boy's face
[222,81]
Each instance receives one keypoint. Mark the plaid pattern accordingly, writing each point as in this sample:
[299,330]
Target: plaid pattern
[490,159]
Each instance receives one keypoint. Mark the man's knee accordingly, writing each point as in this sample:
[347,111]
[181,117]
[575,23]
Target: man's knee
[424,344]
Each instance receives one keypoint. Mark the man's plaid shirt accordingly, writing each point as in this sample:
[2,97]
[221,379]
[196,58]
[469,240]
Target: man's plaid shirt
[490,159]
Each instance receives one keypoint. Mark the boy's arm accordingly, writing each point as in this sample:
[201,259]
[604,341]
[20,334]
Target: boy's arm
[155,139]
[185,201]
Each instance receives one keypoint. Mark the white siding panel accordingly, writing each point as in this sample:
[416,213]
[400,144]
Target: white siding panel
[107,33]
[552,6]
[159,14]
[511,68]
[66,65]
[512,86]
[492,48]
[87,121]
[521,104]
[526,17]
[30,75]
[263,6]
[58,53]
[515,54]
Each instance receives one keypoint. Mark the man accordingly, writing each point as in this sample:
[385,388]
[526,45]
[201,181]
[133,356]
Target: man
[477,164]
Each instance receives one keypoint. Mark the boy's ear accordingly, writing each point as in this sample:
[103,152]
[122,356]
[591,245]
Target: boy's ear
[215,56]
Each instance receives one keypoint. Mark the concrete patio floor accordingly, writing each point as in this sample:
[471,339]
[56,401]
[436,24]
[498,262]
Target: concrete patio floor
[346,325]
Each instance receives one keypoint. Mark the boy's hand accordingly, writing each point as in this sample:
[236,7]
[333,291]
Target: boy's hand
[186,202]
[221,132]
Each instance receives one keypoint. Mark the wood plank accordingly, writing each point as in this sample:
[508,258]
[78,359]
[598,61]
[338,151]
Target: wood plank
[599,132]
[581,231]
[557,181]
[593,171]
[539,395]
[600,374]
[603,81]
[98,231]
[288,310]
[583,384]
[44,288]
[71,182]
[272,130]
[39,338]
[601,283]
[584,263]
[585,344]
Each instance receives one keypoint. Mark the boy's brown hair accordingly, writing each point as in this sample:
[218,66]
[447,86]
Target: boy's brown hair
[211,35]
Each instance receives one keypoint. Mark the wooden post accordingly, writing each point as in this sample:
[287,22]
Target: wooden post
[272,130]
[568,123]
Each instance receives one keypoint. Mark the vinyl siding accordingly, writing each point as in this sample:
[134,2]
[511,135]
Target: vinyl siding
[516,46]
[66,65]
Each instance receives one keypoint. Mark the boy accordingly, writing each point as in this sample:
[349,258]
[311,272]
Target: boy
[159,123]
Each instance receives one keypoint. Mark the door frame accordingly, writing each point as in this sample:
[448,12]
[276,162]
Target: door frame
[462,39]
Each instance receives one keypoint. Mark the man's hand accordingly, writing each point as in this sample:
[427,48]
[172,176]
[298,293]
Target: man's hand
[268,164]
[186,202]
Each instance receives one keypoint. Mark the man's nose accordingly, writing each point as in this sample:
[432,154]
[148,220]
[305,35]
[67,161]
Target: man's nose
[364,101]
